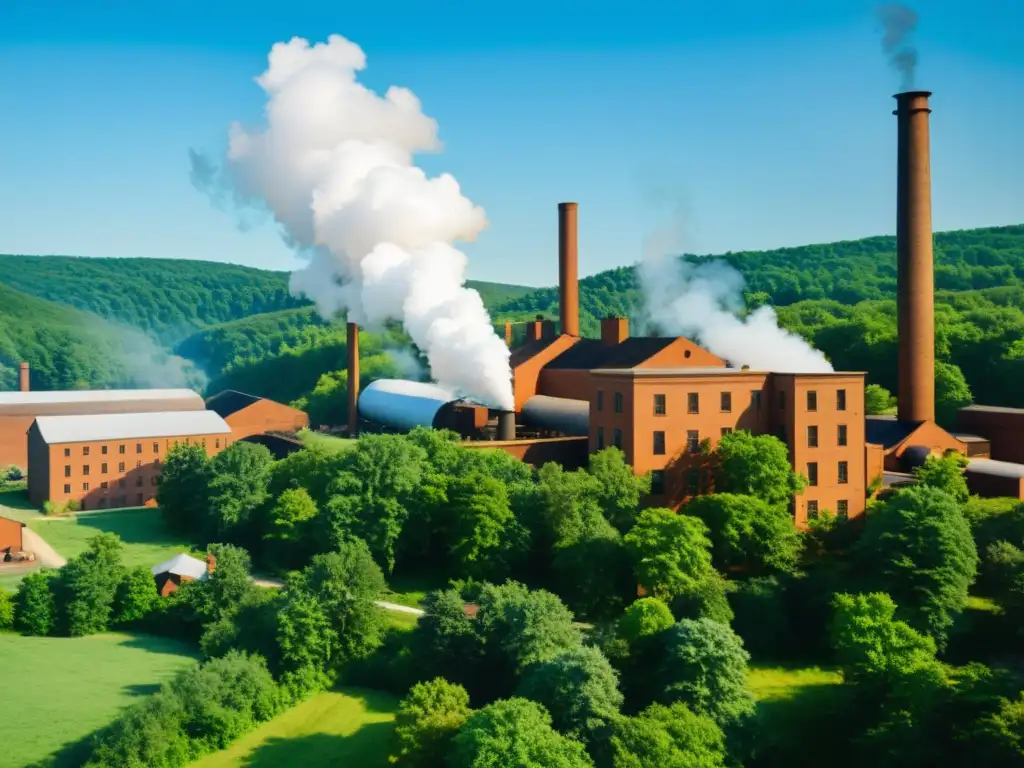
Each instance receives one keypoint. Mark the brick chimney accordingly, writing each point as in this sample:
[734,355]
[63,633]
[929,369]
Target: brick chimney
[568,269]
[23,384]
[353,379]
[614,330]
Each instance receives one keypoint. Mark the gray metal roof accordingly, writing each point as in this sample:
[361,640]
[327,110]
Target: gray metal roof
[127,426]
[181,565]
[995,468]
[93,395]
[992,409]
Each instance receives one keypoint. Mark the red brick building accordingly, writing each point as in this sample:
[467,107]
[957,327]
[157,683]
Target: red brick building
[10,537]
[248,415]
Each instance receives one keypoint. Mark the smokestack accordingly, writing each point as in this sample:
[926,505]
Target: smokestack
[915,275]
[507,425]
[568,269]
[353,379]
[23,385]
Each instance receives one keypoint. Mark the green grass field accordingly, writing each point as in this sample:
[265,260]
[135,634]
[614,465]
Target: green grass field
[63,689]
[327,442]
[345,727]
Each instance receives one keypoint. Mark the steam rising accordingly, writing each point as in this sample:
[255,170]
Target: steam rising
[898,23]
[334,165]
[702,301]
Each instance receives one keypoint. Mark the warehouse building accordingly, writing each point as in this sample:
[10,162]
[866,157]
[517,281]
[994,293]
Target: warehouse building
[248,415]
[19,409]
[112,460]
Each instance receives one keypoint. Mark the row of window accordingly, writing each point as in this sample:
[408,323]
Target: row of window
[86,468]
[122,448]
[120,501]
[812,436]
[155,480]
[724,401]
[842,509]
[842,473]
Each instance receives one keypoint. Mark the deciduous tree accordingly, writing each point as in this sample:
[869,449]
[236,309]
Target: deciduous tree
[428,718]
[671,552]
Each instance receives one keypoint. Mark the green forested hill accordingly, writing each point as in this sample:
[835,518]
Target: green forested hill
[70,349]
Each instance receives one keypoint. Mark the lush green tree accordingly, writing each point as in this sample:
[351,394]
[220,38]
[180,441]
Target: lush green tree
[136,596]
[705,667]
[747,534]
[569,502]
[760,617]
[312,469]
[671,552]
[305,636]
[238,490]
[446,641]
[595,593]
[671,737]
[705,599]
[148,734]
[35,609]
[620,489]
[646,617]
[87,587]
[946,474]
[183,493]
[758,466]
[370,497]
[951,393]
[579,688]
[878,401]
[917,547]
[228,587]
[871,643]
[483,530]
[290,527]
[428,718]
[515,732]
[6,610]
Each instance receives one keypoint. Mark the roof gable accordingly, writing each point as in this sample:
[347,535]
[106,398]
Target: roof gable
[230,401]
[181,565]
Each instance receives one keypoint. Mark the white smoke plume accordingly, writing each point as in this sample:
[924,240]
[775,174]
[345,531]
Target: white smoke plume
[334,165]
[702,302]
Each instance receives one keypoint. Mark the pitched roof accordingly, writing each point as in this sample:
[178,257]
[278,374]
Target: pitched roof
[996,468]
[12,520]
[126,426]
[181,565]
[230,401]
[587,354]
[887,431]
[94,395]
[528,350]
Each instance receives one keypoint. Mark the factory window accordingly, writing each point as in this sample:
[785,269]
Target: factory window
[812,473]
[844,472]
[156,447]
[85,470]
[693,482]
[841,436]
[658,482]
[67,452]
[840,399]
[104,485]
[67,488]
[120,449]
[600,399]
[618,402]
[812,437]
[103,450]
[693,402]
[85,450]
[618,438]
[726,431]
[812,510]
[138,447]
[85,486]
[67,470]
[218,442]
[659,443]
[782,401]
[120,466]
[812,401]
[600,438]
[103,468]
[727,402]
[843,508]
[121,483]
[659,405]
[755,398]
[692,441]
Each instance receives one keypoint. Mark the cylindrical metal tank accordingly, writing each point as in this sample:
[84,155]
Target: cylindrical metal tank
[557,414]
[507,425]
[402,404]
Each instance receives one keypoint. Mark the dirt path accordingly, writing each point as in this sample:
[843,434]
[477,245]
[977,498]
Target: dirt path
[45,554]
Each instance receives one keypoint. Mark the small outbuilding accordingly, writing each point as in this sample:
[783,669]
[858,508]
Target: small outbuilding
[179,569]
[11,540]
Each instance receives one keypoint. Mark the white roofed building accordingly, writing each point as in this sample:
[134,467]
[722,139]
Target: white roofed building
[171,574]
[112,460]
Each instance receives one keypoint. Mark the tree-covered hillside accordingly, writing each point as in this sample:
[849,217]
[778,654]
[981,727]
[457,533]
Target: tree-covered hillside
[70,349]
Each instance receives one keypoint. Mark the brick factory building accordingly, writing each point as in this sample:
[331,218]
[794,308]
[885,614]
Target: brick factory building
[112,460]
[19,409]
[248,415]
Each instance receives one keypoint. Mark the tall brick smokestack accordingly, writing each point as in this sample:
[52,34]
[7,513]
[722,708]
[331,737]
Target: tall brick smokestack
[23,384]
[914,262]
[568,269]
[353,379]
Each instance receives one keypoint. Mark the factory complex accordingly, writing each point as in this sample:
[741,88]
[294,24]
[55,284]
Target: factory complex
[664,401]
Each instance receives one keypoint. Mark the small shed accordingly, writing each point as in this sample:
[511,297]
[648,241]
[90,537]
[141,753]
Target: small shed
[181,568]
[11,540]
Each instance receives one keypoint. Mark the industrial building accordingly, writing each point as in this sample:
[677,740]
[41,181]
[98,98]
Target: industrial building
[249,416]
[19,409]
[113,459]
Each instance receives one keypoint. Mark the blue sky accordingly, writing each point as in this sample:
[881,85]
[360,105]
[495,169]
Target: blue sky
[746,125]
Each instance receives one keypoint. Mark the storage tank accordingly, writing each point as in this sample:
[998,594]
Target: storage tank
[402,404]
[557,414]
